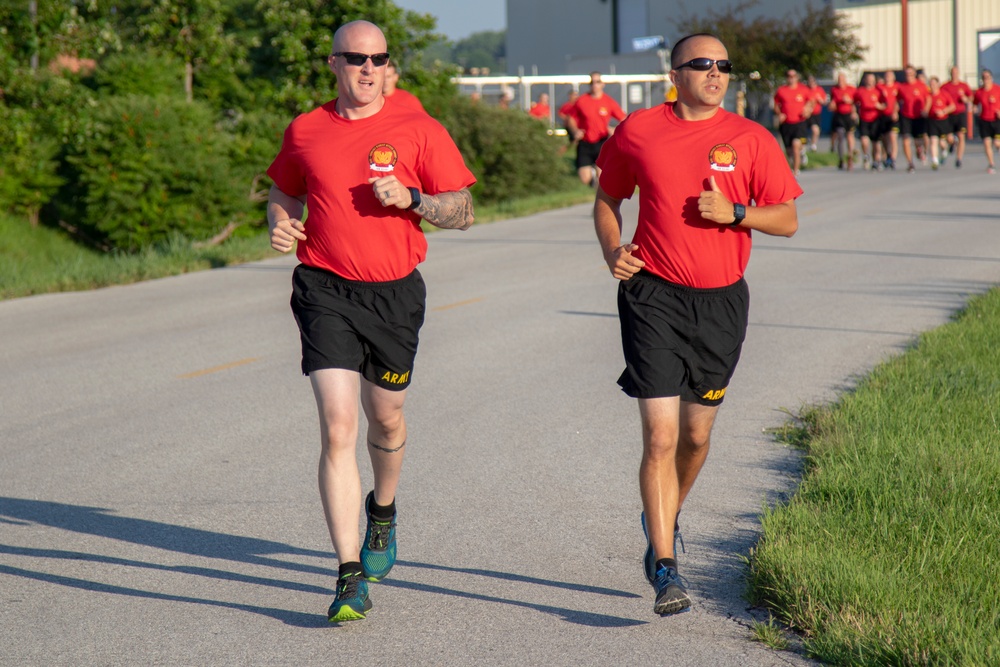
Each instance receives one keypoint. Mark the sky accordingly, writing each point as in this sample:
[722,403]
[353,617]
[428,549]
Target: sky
[460,18]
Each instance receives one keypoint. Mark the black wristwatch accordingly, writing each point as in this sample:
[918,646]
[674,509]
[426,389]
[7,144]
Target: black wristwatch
[415,195]
[740,213]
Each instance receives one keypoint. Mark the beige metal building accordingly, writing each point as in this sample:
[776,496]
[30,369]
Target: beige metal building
[931,34]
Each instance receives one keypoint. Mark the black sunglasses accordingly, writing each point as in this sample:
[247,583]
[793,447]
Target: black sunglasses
[358,59]
[705,64]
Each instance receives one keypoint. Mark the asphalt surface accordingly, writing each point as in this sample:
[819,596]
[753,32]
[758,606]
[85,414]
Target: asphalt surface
[158,500]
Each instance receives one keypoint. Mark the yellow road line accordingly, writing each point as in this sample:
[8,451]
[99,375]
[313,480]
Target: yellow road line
[460,303]
[216,369]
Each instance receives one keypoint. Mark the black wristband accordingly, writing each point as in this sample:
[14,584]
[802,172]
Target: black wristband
[415,196]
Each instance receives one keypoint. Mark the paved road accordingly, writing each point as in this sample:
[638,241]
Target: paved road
[158,447]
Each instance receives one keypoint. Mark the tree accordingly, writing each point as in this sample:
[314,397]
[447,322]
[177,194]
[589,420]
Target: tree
[482,49]
[818,42]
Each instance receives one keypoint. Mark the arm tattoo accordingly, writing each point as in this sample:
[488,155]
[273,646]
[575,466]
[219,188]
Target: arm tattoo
[448,210]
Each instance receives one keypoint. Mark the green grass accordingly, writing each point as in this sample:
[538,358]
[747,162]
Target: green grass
[889,553]
[39,260]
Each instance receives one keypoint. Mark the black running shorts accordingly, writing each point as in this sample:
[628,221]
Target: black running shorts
[791,131]
[912,127]
[371,328]
[680,341]
[586,152]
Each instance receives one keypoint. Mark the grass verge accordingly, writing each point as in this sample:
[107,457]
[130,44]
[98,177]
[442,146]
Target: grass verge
[889,553]
[39,260]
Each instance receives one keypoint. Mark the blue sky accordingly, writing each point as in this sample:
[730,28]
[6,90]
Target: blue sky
[460,18]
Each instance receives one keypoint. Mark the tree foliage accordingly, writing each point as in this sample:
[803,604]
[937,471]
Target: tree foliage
[815,41]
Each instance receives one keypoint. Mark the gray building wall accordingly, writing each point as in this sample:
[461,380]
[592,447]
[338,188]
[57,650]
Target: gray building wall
[577,36]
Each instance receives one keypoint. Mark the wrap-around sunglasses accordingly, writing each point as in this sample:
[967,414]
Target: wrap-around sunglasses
[705,64]
[358,59]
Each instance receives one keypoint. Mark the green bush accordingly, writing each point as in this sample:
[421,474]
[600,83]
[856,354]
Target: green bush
[28,165]
[509,152]
[150,168]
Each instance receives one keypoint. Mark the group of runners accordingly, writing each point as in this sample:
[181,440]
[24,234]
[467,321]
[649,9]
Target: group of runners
[930,116]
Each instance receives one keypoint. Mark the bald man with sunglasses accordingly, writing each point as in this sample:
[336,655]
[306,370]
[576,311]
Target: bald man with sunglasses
[368,171]
[707,179]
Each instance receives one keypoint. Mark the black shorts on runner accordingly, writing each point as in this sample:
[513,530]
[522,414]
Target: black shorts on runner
[586,153]
[814,120]
[938,127]
[989,128]
[888,125]
[912,127]
[959,122]
[842,120]
[371,328]
[680,341]
[792,131]
[871,129]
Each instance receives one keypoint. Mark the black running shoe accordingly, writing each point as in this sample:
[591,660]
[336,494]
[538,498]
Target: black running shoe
[671,596]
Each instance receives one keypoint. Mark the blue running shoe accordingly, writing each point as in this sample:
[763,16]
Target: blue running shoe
[352,602]
[378,553]
[649,558]
[671,597]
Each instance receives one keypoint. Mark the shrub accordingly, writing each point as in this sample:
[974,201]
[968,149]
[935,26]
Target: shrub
[509,152]
[151,167]
[28,165]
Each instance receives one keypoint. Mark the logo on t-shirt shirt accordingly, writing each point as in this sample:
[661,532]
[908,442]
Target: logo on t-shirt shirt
[722,157]
[382,158]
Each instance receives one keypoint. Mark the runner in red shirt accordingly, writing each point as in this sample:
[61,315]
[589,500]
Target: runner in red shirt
[868,99]
[541,109]
[962,94]
[939,108]
[590,123]
[890,118]
[793,104]
[845,119]
[368,170]
[820,100]
[912,113]
[564,115]
[682,299]
[987,100]
[398,95]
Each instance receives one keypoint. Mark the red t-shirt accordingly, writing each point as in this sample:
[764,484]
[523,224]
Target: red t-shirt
[670,161]
[939,103]
[593,115]
[330,159]
[989,102]
[912,98]
[818,94]
[792,102]
[539,110]
[868,100]
[400,96]
[956,90]
[843,98]
[890,95]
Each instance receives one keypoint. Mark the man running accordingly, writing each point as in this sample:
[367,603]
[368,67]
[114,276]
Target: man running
[368,170]
[912,108]
[682,299]
[820,100]
[845,119]
[938,110]
[889,121]
[589,122]
[793,104]
[961,93]
[987,100]
[870,104]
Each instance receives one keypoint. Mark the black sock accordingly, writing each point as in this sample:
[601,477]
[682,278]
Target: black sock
[380,512]
[350,567]
[666,562]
